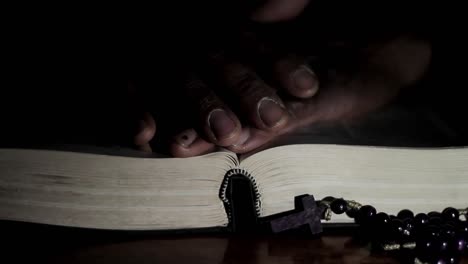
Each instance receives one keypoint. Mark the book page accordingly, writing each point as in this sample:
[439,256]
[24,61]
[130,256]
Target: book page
[390,179]
[112,192]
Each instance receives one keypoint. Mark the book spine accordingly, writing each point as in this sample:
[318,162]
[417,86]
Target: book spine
[225,198]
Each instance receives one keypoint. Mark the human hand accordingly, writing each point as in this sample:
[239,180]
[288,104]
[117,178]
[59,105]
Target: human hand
[375,80]
[230,114]
[271,11]
[372,81]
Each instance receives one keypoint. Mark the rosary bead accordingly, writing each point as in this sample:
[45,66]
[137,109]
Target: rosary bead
[435,220]
[448,230]
[328,199]
[440,237]
[432,231]
[351,213]
[424,248]
[452,223]
[434,213]
[408,226]
[365,214]
[447,260]
[396,229]
[440,245]
[381,219]
[463,228]
[421,219]
[381,225]
[338,206]
[458,244]
[450,213]
[405,213]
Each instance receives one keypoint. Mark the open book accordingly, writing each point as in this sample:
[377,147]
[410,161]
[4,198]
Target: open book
[68,188]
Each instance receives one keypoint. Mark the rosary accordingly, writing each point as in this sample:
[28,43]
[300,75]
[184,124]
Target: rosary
[435,237]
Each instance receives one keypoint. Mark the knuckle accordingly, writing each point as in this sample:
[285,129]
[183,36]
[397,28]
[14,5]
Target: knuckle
[200,96]
[208,102]
[245,82]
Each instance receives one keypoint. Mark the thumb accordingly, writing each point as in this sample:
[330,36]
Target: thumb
[279,10]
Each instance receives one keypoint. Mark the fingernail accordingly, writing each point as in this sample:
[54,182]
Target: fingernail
[305,81]
[243,137]
[220,123]
[186,138]
[270,112]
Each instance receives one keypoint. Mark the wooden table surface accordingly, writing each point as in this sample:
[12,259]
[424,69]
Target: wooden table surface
[46,245]
[245,249]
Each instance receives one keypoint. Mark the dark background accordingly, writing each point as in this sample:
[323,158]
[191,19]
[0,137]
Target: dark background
[65,72]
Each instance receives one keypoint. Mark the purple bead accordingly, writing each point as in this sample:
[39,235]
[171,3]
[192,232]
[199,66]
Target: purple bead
[442,245]
[448,230]
[338,206]
[381,222]
[463,228]
[432,231]
[381,225]
[408,228]
[434,214]
[425,249]
[365,214]
[408,224]
[450,214]
[459,244]
[433,245]
[452,223]
[381,219]
[435,220]
[447,260]
[421,219]
[396,229]
[351,213]
[404,214]
[423,245]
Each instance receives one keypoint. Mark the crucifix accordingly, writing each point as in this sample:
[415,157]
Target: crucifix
[306,212]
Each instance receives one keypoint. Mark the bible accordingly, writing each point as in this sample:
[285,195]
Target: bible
[124,192]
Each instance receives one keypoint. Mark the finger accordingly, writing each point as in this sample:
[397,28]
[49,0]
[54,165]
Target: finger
[143,121]
[350,94]
[291,71]
[219,124]
[189,144]
[145,132]
[373,82]
[279,10]
[296,77]
[250,139]
[258,101]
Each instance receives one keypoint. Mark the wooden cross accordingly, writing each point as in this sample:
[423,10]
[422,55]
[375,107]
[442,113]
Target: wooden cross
[310,214]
